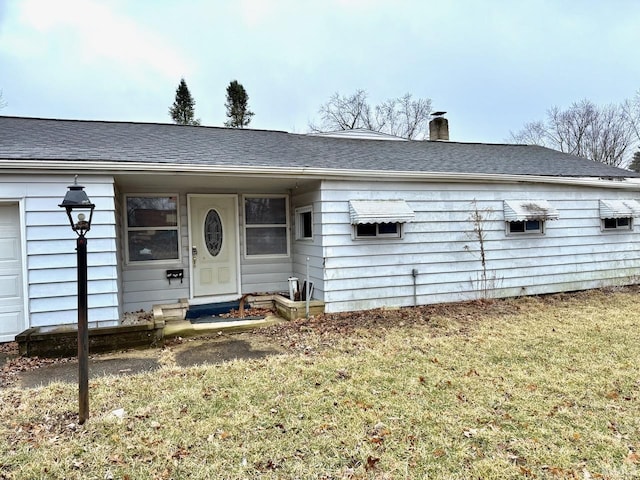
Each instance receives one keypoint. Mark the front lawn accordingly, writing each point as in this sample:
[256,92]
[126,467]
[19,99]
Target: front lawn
[526,388]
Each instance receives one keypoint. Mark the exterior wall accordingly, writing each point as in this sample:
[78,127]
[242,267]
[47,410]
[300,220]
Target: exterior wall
[145,285]
[311,249]
[51,273]
[262,275]
[440,244]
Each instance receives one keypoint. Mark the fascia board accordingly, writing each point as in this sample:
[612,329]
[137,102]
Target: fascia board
[111,168]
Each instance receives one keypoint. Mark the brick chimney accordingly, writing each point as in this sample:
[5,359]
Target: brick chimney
[438,127]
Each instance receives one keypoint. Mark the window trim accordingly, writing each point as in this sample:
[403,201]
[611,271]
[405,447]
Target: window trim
[398,235]
[128,229]
[286,226]
[299,223]
[539,231]
[617,228]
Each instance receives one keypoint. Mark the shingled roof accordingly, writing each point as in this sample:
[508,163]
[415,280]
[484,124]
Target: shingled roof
[80,141]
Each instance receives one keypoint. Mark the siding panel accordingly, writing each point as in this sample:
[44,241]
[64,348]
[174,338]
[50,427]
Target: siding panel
[50,249]
[574,253]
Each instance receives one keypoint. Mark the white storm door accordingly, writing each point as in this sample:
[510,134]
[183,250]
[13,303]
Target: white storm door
[11,300]
[213,232]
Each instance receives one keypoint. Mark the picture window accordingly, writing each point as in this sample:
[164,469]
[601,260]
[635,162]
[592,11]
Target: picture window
[152,228]
[266,226]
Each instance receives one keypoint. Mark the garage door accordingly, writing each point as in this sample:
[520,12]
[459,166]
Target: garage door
[11,302]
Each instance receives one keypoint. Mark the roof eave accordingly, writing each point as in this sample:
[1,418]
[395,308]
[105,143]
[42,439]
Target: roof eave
[111,167]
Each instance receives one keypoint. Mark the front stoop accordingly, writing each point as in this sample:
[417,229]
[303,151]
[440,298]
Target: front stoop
[285,308]
[64,342]
[173,312]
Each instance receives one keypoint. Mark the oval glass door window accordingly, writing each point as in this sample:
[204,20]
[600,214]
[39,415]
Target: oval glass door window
[213,232]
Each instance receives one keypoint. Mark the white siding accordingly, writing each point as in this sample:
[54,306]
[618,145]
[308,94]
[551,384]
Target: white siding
[261,275]
[311,249]
[50,249]
[573,254]
[146,285]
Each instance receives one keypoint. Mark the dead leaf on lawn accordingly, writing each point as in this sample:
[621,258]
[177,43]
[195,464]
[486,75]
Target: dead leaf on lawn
[372,462]
[632,457]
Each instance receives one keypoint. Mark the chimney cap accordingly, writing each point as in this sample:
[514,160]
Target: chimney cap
[438,113]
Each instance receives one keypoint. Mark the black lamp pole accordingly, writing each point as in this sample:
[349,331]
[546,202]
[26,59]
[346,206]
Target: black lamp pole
[83,332]
[76,200]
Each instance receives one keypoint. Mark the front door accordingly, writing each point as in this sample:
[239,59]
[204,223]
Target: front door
[11,301]
[214,245]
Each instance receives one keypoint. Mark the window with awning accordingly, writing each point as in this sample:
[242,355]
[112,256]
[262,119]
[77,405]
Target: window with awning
[379,218]
[618,214]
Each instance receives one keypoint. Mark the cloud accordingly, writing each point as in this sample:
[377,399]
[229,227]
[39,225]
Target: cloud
[95,34]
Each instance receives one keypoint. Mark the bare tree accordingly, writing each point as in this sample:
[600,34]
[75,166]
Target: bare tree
[602,134]
[2,102]
[402,117]
[631,109]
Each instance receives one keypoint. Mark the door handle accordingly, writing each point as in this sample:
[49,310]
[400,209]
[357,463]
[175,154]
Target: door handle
[194,254]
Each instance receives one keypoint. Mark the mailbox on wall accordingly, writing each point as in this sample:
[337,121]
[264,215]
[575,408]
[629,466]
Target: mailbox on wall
[175,275]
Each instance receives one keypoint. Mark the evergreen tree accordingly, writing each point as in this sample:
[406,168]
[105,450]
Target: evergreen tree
[237,106]
[635,163]
[183,109]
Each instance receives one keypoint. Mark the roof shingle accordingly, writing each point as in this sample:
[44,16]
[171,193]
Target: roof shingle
[75,140]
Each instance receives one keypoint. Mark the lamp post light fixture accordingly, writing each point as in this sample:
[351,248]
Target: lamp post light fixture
[77,202]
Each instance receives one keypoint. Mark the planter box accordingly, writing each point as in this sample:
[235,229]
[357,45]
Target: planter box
[290,310]
[64,343]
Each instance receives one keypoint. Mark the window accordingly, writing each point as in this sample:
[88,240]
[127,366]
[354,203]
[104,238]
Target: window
[374,230]
[528,217]
[379,218]
[525,226]
[266,226]
[624,223]
[152,228]
[618,214]
[304,223]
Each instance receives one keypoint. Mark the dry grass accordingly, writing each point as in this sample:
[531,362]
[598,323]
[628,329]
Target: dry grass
[527,388]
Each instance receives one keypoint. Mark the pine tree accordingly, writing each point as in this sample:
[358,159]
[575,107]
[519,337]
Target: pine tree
[635,163]
[237,106]
[183,109]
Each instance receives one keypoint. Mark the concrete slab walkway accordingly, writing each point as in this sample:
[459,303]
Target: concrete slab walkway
[187,345]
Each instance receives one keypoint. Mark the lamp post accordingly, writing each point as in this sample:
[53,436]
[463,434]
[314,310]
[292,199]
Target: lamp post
[77,201]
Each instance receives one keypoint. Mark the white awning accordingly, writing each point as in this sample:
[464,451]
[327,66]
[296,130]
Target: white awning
[380,211]
[619,208]
[523,210]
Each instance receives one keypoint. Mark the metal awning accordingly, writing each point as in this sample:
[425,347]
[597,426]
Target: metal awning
[523,210]
[380,211]
[619,208]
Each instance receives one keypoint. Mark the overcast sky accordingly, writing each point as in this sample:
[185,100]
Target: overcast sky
[491,64]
